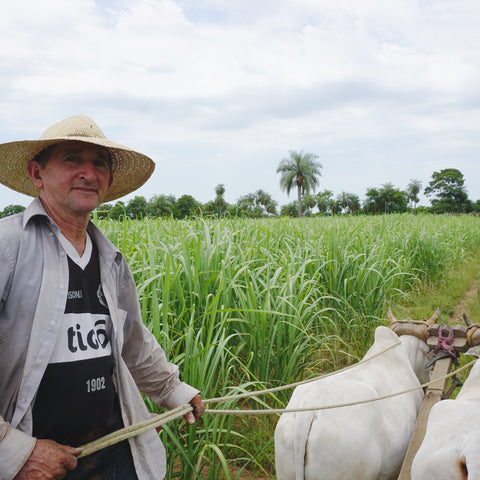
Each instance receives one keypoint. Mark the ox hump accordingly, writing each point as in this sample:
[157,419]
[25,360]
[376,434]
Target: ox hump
[385,336]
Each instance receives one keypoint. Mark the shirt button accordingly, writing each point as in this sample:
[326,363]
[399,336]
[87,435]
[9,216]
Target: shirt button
[61,285]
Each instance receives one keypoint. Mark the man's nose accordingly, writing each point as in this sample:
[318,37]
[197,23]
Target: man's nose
[89,172]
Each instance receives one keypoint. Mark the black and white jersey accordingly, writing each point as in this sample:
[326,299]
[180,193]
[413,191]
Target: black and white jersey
[77,400]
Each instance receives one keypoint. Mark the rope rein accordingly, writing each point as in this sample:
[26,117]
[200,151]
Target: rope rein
[338,405]
[133,430]
[296,384]
[157,421]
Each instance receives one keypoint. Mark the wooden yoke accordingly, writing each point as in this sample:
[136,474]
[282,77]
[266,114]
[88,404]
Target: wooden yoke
[416,328]
[463,339]
[460,341]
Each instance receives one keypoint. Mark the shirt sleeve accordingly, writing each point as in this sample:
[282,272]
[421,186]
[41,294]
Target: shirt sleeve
[15,448]
[7,262]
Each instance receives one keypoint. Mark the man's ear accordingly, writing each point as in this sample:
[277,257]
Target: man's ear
[33,169]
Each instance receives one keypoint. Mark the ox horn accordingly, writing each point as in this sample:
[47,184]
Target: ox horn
[390,316]
[417,329]
[468,323]
[434,318]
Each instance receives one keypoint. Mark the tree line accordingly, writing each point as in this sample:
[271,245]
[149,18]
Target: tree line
[300,171]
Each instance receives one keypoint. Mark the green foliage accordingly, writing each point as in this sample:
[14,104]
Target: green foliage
[103,211]
[220,190]
[244,304]
[289,210]
[137,207]
[448,193]
[161,206]
[118,211]
[413,190]
[386,199]
[11,210]
[346,203]
[185,207]
[219,204]
[256,205]
[300,170]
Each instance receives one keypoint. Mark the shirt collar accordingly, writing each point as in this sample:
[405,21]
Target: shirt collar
[36,209]
[103,244]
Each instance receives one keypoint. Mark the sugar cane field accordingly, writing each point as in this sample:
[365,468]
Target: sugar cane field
[245,305]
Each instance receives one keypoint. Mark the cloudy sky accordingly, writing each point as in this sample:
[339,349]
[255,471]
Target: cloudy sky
[219,91]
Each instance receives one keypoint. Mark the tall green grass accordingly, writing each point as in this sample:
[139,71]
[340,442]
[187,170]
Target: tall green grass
[249,304]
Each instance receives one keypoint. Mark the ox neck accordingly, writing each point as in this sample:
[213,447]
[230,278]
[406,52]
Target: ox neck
[469,390]
[416,351]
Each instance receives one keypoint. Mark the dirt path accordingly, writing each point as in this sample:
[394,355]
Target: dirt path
[463,306]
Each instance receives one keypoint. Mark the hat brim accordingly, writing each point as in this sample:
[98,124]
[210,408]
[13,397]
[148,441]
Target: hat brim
[131,169]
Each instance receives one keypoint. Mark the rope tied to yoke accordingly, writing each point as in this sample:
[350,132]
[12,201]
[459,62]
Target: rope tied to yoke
[444,347]
[445,343]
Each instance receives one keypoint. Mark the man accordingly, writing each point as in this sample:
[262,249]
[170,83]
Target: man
[74,353]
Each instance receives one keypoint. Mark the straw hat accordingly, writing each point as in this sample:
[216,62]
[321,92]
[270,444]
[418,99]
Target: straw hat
[131,169]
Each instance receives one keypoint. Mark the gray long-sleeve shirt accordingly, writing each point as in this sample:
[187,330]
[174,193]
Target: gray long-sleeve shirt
[33,292]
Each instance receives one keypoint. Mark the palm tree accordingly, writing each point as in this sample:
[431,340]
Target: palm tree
[161,205]
[386,195]
[343,202]
[301,170]
[413,189]
[348,202]
[353,203]
[220,189]
[266,202]
[309,201]
[220,202]
[323,200]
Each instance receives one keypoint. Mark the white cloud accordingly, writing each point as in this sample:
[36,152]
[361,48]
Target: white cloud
[218,91]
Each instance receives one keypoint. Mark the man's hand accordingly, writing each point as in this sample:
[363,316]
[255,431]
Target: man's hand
[49,460]
[198,409]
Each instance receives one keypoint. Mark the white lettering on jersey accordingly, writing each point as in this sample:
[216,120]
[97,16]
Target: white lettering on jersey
[74,294]
[95,384]
[82,336]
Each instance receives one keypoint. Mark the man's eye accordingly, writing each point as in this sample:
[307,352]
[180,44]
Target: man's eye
[101,164]
[72,159]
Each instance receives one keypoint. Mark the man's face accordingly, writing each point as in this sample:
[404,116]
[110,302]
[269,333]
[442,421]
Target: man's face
[75,179]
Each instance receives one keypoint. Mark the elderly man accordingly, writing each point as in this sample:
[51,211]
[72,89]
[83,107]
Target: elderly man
[74,353]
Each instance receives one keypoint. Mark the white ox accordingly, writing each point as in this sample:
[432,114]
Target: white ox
[362,442]
[451,447]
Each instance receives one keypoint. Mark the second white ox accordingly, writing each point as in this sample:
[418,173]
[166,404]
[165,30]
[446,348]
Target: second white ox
[451,447]
[362,442]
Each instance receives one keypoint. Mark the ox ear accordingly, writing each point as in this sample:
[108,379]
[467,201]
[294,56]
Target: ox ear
[390,316]
[434,318]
